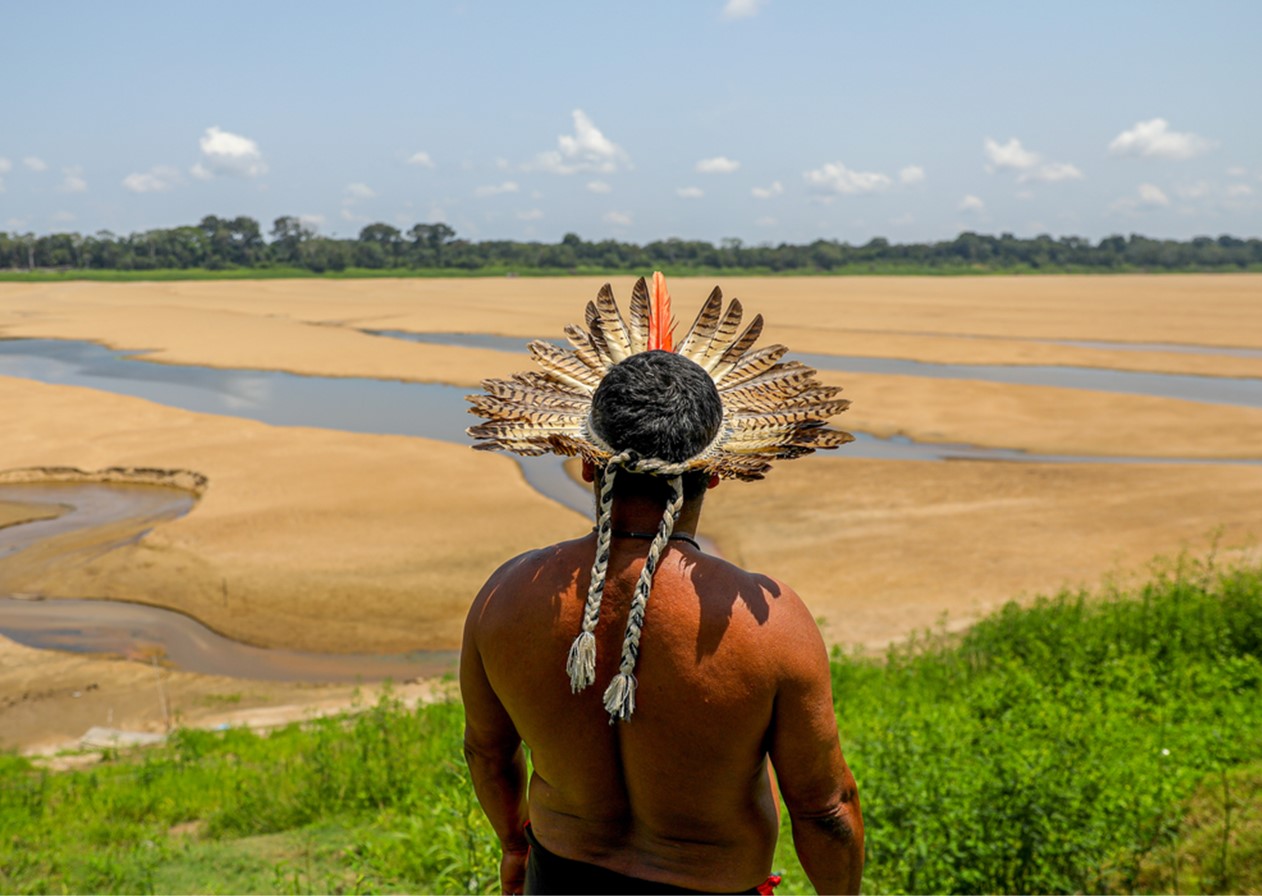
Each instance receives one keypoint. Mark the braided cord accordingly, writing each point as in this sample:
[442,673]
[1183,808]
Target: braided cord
[620,695]
[581,664]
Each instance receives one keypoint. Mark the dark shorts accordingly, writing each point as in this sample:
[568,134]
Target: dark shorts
[547,872]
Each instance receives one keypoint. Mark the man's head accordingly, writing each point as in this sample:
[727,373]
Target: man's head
[659,404]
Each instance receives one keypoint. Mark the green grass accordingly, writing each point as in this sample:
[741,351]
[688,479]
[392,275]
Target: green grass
[1086,743]
[1220,847]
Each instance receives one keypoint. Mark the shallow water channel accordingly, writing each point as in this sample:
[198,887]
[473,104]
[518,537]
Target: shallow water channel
[395,407]
[1210,389]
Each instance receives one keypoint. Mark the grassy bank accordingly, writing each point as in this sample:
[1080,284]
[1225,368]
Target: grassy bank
[1105,743]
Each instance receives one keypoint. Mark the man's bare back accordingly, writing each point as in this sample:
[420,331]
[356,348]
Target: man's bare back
[732,672]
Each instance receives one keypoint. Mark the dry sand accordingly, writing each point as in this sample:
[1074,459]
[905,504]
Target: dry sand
[325,540]
[13,513]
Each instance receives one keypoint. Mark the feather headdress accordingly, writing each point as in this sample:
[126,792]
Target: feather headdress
[772,409]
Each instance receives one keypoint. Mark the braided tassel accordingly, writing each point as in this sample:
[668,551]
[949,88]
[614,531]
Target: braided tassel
[581,664]
[620,695]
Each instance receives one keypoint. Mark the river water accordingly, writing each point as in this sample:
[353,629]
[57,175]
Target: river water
[395,407]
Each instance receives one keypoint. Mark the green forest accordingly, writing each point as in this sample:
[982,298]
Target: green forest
[291,248]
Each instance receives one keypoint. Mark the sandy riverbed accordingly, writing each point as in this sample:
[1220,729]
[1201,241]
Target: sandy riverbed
[325,540]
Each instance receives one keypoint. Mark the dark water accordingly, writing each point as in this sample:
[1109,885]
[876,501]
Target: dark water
[1220,351]
[436,411]
[1210,389]
[353,404]
[114,628]
[90,504]
[401,408]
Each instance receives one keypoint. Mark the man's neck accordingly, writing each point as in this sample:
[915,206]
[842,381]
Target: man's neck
[632,513]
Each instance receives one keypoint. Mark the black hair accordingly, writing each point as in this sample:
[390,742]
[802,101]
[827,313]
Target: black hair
[659,404]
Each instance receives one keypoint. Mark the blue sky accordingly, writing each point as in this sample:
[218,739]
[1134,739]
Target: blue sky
[769,121]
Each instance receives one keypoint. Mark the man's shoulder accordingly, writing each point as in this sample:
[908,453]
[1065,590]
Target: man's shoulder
[725,575]
[529,565]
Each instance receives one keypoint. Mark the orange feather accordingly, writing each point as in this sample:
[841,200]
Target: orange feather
[661,325]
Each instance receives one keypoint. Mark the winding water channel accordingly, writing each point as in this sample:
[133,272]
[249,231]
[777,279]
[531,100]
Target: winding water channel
[387,407]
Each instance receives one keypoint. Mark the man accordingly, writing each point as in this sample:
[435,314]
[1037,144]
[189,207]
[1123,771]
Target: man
[662,783]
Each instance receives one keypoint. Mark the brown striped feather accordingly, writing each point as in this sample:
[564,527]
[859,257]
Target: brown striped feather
[537,379]
[733,355]
[515,394]
[638,317]
[612,325]
[564,365]
[752,365]
[698,337]
[585,348]
[783,380]
[723,337]
[822,403]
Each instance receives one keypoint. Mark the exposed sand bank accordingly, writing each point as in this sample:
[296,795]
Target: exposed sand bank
[14,512]
[310,326]
[324,540]
[304,538]
[879,548]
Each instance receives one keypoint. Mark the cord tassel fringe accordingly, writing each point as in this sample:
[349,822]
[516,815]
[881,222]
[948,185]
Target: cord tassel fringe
[620,697]
[581,664]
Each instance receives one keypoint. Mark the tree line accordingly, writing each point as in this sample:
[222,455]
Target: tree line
[238,243]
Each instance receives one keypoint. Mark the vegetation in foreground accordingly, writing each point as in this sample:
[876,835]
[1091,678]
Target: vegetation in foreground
[235,247]
[1105,743]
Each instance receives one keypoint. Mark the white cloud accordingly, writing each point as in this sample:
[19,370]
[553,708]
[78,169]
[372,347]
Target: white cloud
[356,191]
[158,179]
[533,214]
[718,165]
[835,177]
[1009,155]
[1239,191]
[912,174]
[766,221]
[507,186]
[312,222]
[1024,195]
[5,165]
[1012,156]
[1233,171]
[1198,190]
[741,9]
[1151,194]
[587,149]
[621,219]
[598,186]
[72,180]
[421,160]
[225,153]
[63,217]
[971,203]
[1154,139]
[1052,172]
[15,223]
[770,192]
[689,193]
[1146,196]
[35,163]
[351,218]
